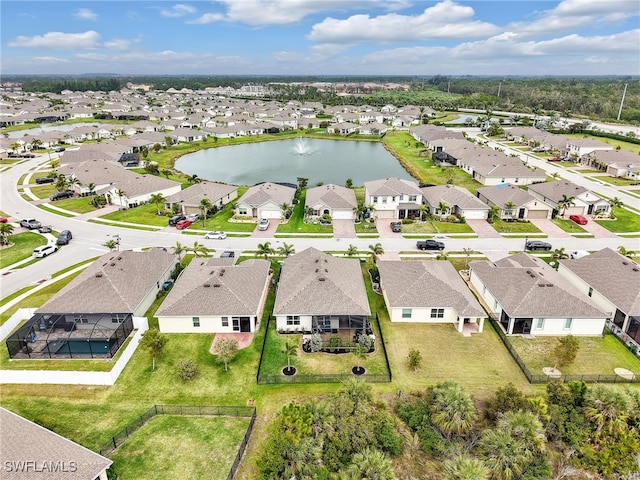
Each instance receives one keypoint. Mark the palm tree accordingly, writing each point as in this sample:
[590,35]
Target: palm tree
[290,350]
[442,255]
[264,250]
[616,202]
[443,208]
[509,208]
[505,456]
[194,179]
[467,252]
[92,188]
[494,213]
[6,229]
[166,172]
[372,464]
[558,254]
[157,199]
[205,207]
[199,249]
[178,249]
[524,427]
[464,467]
[61,183]
[36,143]
[607,408]
[564,203]
[120,193]
[286,249]
[423,211]
[453,411]
[352,251]
[375,251]
[625,253]
[111,244]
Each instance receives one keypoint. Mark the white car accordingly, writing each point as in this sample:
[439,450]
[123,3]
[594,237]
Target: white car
[216,235]
[264,224]
[193,217]
[44,250]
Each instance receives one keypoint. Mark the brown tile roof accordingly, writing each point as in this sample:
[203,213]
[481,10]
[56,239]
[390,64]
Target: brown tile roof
[315,283]
[427,283]
[51,456]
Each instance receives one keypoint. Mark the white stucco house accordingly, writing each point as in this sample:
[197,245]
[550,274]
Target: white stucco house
[265,200]
[393,198]
[335,200]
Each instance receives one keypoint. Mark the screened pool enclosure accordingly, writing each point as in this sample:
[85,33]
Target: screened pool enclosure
[58,336]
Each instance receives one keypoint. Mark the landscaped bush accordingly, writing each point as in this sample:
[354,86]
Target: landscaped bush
[187,369]
[366,342]
[315,343]
[334,342]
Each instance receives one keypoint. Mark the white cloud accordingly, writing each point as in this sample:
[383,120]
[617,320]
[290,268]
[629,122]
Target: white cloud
[446,19]
[117,44]
[85,14]
[51,60]
[207,18]
[179,10]
[58,40]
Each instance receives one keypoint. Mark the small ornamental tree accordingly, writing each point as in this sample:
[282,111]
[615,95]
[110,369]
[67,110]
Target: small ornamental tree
[315,343]
[226,349]
[566,350]
[414,359]
[187,369]
[153,342]
[366,342]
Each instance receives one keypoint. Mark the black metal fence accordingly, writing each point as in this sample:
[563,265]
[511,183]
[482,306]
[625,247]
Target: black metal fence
[186,410]
[538,379]
[262,379]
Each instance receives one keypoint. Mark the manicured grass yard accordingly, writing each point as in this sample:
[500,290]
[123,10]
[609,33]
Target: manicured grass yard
[77,204]
[625,221]
[568,225]
[143,215]
[296,223]
[21,247]
[514,227]
[618,181]
[597,355]
[44,191]
[434,226]
[181,447]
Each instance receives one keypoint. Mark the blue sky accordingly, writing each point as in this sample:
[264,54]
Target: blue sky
[321,37]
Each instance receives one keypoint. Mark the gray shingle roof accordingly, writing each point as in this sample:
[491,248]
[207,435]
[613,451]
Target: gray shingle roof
[315,283]
[427,283]
[332,196]
[392,186]
[556,189]
[452,195]
[54,457]
[193,194]
[263,193]
[526,286]
[614,276]
[232,289]
[500,195]
[115,282]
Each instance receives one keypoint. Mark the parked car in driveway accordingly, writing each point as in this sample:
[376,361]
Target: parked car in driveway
[193,217]
[429,245]
[64,238]
[576,254]
[30,223]
[173,221]
[45,229]
[41,180]
[182,224]
[263,224]
[396,227]
[4,220]
[44,250]
[216,235]
[579,219]
[555,159]
[61,195]
[228,254]
[537,245]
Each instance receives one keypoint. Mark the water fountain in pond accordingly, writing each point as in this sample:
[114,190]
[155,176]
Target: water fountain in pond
[302,147]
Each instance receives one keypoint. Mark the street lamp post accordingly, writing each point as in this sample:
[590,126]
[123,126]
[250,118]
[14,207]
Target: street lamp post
[526,239]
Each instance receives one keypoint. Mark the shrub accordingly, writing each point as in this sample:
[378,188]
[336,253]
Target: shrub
[366,342]
[407,221]
[414,359]
[315,343]
[334,341]
[187,369]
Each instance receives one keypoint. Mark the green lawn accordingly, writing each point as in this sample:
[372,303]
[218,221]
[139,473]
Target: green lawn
[365,227]
[515,227]
[432,226]
[181,447]
[632,147]
[597,355]
[77,204]
[44,191]
[626,221]
[618,181]
[568,225]
[143,215]
[21,247]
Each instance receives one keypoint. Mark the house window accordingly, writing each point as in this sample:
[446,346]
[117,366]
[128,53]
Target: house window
[316,213]
[384,199]
[293,319]
[401,198]
[393,199]
[516,180]
[225,321]
[540,324]
[236,323]
[375,200]
[590,291]
[406,313]
[502,180]
[508,212]
[196,321]
[437,313]
[567,323]
[413,198]
[242,211]
[495,304]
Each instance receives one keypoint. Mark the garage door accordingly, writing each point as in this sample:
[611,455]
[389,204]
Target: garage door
[384,213]
[537,213]
[475,214]
[270,214]
[342,215]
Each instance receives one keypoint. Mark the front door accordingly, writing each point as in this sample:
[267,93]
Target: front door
[521,213]
[526,327]
[590,209]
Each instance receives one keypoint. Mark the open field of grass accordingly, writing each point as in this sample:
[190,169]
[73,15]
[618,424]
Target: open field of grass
[181,447]
[597,355]
[21,247]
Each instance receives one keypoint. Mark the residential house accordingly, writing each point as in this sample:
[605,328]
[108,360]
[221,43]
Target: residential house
[393,198]
[335,200]
[265,200]
[219,194]
[344,128]
[32,451]
[514,202]
[618,163]
[527,296]
[585,202]
[321,293]
[612,281]
[458,201]
[211,296]
[507,172]
[577,147]
[428,291]
[136,189]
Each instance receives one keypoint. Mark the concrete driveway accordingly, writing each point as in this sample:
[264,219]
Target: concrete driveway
[598,230]
[483,229]
[344,229]
[269,232]
[549,228]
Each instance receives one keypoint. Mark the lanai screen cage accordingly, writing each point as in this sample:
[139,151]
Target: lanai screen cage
[54,335]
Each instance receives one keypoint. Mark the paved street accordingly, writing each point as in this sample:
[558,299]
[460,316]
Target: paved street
[88,238]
